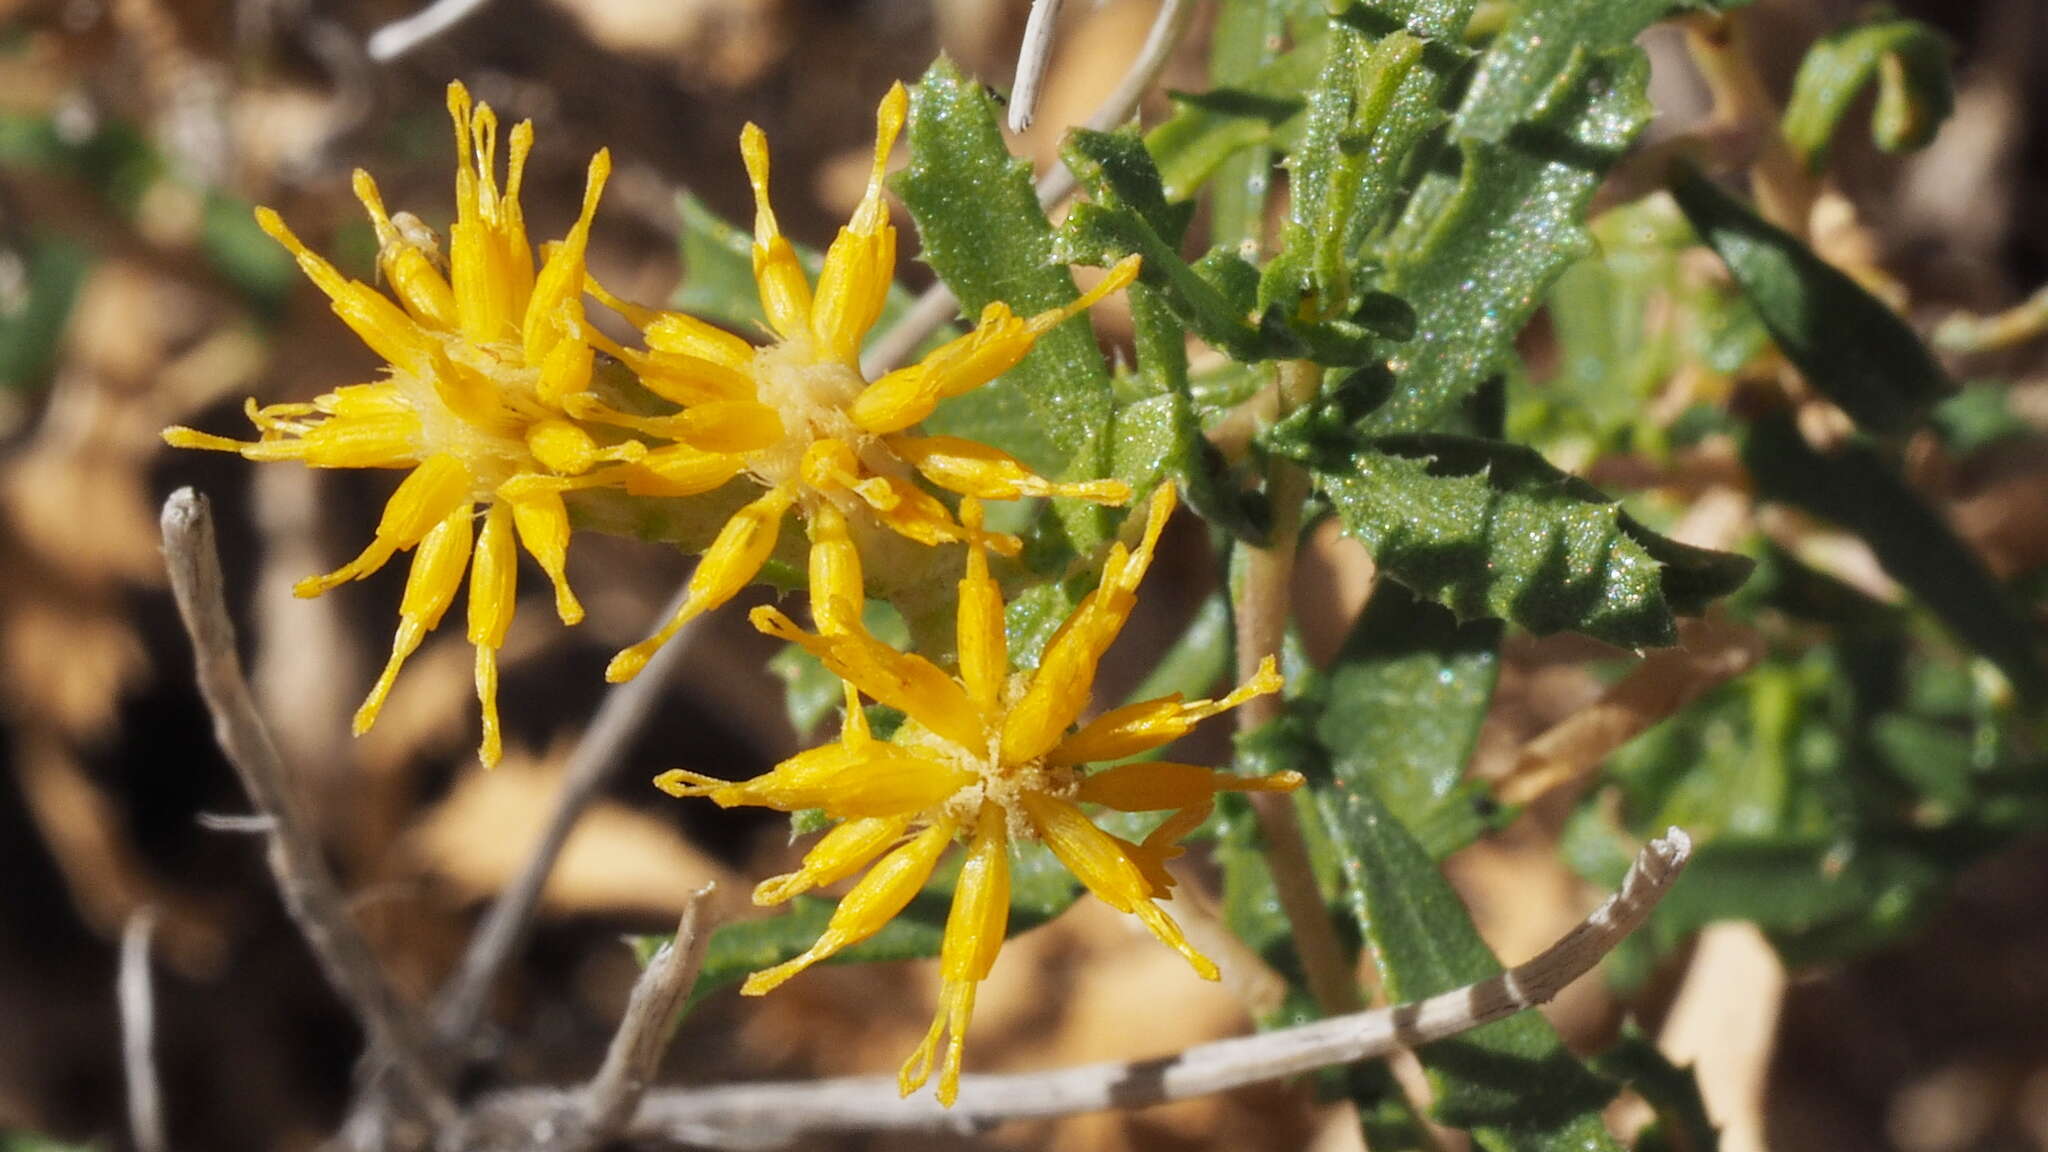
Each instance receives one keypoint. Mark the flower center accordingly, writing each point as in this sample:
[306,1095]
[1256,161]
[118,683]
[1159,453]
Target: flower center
[811,395]
[995,780]
[488,433]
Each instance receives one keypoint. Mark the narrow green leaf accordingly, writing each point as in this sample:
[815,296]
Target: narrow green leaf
[1253,102]
[1851,348]
[1553,102]
[1857,489]
[1401,708]
[1908,60]
[1101,234]
[985,235]
[1511,1083]
[1372,104]
[1243,41]
[1492,530]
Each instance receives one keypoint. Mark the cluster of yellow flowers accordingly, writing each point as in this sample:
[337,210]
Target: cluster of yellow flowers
[489,400]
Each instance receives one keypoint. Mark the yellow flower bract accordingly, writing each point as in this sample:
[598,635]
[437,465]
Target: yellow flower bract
[799,418]
[486,367]
[989,756]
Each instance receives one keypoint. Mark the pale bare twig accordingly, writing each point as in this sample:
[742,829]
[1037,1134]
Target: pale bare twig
[311,894]
[763,1116]
[504,928]
[407,33]
[938,304]
[132,992]
[1720,49]
[1121,104]
[1709,653]
[239,825]
[1033,53]
[1970,334]
[651,1014]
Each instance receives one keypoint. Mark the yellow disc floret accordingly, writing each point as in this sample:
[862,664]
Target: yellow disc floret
[487,369]
[798,416]
[989,756]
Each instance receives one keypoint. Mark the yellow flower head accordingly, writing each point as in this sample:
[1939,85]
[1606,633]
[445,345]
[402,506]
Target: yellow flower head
[987,757]
[799,418]
[483,362]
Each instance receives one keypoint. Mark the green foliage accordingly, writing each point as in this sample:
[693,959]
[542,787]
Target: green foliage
[1627,320]
[117,165]
[1490,529]
[1550,105]
[1851,348]
[1855,487]
[1833,791]
[1682,1122]
[1907,60]
[1977,417]
[30,1142]
[1441,157]
[983,232]
[1226,135]
[1399,710]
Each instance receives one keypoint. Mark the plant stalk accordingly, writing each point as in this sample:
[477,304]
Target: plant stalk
[1263,608]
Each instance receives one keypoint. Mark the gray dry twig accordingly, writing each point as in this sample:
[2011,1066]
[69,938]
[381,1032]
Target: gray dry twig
[1034,52]
[407,33]
[635,1054]
[396,1039]
[765,1116]
[137,1001]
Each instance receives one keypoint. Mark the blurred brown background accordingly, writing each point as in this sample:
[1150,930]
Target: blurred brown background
[107,763]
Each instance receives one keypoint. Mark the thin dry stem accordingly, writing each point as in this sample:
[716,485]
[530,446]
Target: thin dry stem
[407,33]
[311,895]
[1784,190]
[651,1015]
[764,1116]
[1709,653]
[1033,53]
[137,1001]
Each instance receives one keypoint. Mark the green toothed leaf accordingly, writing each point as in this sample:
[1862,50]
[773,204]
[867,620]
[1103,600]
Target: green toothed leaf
[1555,99]
[1491,530]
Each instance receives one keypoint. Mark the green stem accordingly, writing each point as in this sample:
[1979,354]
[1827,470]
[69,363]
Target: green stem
[1262,612]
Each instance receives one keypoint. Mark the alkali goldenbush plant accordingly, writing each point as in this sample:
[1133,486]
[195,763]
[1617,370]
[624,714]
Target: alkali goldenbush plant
[1358,361]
